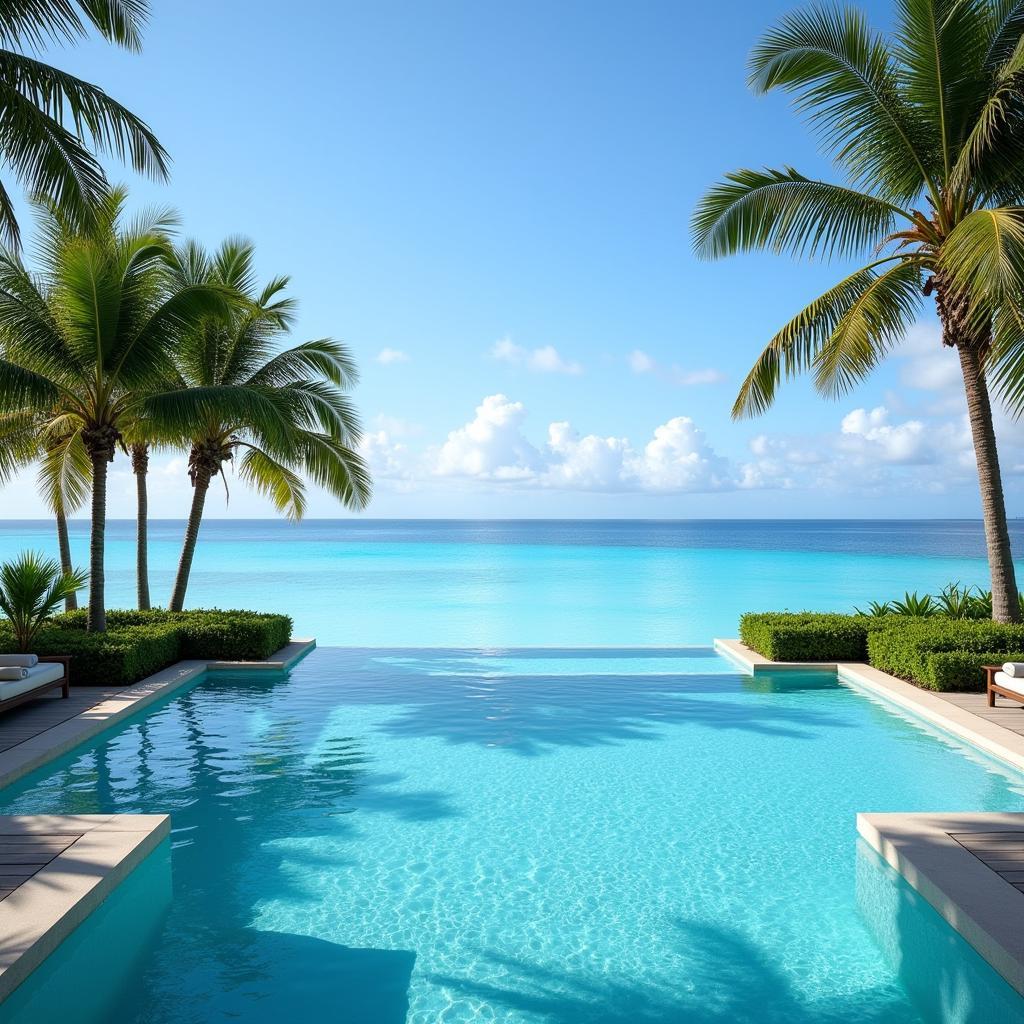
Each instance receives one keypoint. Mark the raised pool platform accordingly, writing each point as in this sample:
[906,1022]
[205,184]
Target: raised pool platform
[970,868]
[54,871]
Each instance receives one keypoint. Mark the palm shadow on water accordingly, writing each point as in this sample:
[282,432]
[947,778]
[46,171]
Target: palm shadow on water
[235,808]
[721,978]
[454,695]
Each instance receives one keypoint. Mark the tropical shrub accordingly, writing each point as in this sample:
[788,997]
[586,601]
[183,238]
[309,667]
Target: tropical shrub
[139,643]
[807,636]
[32,588]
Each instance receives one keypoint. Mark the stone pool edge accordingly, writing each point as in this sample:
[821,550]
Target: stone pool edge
[990,738]
[35,752]
[46,908]
[970,896]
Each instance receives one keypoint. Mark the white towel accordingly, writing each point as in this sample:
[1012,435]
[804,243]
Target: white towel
[1014,669]
[12,672]
[19,660]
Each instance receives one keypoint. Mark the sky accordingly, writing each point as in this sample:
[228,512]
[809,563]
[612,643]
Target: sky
[490,204]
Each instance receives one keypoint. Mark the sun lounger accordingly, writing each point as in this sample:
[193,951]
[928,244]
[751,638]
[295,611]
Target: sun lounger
[50,672]
[1000,682]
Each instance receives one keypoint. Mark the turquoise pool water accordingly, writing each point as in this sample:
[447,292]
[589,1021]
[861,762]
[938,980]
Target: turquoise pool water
[480,584]
[559,836]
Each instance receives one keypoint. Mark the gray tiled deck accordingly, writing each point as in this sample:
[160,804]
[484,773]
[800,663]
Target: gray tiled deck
[1005,713]
[30,719]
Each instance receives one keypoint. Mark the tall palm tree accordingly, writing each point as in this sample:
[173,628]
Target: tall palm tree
[50,121]
[283,414]
[927,128]
[83,341]
[63,478]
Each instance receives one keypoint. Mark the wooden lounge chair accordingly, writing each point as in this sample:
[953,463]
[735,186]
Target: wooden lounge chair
[53,670]
[998,682]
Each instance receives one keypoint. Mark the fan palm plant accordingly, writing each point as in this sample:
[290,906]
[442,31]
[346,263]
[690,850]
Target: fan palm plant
[83,341]
[50,120]
[927,129]
[32,588]
[277,415]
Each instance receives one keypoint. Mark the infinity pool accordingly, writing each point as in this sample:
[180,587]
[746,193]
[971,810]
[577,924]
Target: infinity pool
[545,835]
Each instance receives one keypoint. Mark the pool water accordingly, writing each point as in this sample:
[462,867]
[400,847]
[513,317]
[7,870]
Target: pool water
[531,835]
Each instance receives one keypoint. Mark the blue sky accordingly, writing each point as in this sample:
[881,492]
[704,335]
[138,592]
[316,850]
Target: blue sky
[490,204]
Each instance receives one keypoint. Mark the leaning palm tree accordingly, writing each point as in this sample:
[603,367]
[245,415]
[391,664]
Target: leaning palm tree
[284,414]
[83,340]
[927,128]
[51,122]
[63,478]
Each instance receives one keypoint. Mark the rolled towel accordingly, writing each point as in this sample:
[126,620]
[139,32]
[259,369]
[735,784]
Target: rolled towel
[19,660]
[8,672]
[1014,669]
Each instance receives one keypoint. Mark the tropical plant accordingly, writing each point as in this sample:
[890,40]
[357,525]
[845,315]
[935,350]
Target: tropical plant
[50,120]
[916,605]
[63,477]
[32,589]
[85,338]
[284,414]
[927,127]
[875,609]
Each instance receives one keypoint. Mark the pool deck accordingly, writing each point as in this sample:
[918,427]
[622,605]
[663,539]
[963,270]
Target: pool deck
[57,869]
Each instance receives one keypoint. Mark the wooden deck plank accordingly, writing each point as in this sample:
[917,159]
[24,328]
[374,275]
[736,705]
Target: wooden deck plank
[22,856]
[28,721]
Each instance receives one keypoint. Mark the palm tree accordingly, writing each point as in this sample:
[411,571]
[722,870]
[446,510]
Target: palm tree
[282,413]
[63,478]
[50,120]
[927,128]
[84,340]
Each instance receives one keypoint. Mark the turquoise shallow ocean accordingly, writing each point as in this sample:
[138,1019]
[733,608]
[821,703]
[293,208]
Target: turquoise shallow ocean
[480,584]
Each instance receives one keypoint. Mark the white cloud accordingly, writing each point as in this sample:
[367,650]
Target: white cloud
[640,362]
[867,432]
[546,359]
[679,458]
[389,356]
[491,446]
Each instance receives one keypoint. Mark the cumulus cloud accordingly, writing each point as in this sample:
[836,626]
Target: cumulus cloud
[389,356]
[492,447]
[870,432]
[545,359]
[640,362]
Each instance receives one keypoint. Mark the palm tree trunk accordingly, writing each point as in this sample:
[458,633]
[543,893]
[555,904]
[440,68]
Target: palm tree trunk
[140,467]
[97,537]
[201,484]
[1005,599]
[64,543]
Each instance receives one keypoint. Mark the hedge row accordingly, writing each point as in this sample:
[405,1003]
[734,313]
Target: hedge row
[938,653]
[137,644]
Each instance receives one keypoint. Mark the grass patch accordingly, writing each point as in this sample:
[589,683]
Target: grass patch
[137,644]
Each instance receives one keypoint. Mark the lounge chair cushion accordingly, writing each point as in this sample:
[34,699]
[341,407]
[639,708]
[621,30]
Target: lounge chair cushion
[38,675]
[1011,668]
[1009,683]
[31,660]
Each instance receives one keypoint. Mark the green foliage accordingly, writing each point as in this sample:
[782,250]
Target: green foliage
[138,643]
[943,653]
[807,636]
[32,588]
[915,605]
[876,609]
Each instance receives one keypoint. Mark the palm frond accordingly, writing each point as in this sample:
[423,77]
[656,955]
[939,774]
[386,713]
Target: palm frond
[274,480]
[846,83]
[984,257]
[783,211]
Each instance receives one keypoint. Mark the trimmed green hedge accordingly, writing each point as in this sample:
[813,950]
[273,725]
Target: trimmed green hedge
[807,636]
[939,653]
[137,644]
[945,654]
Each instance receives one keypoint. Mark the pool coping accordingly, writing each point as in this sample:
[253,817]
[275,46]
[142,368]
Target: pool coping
[975,900]
[43,910]
[36,751]
[990,738]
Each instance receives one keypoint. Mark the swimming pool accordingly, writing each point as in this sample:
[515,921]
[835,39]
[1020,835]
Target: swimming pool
[536,835]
